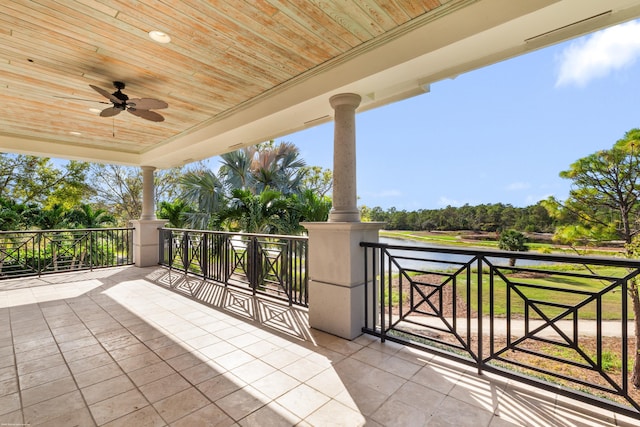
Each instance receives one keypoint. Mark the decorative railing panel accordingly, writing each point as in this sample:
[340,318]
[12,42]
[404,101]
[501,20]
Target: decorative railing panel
[266,264]
[561,323]
[32,253]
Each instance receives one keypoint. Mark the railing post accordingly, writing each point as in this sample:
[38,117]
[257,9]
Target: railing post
[480,320]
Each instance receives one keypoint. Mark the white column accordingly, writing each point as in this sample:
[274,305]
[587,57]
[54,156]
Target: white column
[146,236]
[148,209]
[336,260]
[344,196]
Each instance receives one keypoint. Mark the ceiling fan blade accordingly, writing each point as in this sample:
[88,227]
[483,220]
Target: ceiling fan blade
[81,99]
[106,94]
[109,112]
[147,104]
[146,114]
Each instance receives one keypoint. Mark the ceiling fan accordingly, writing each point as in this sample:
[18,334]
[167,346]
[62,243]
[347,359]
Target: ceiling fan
[140,107]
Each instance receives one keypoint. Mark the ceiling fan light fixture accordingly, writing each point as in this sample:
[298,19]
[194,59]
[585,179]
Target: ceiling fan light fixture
[159,36]
[95,110]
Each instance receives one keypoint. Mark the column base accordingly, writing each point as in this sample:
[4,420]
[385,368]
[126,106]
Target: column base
[336,275]
[146,242]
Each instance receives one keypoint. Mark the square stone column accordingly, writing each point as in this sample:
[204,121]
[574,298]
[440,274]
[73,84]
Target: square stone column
[336,275]
[146,241]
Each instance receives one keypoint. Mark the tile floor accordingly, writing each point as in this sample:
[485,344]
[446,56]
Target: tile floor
[115,347]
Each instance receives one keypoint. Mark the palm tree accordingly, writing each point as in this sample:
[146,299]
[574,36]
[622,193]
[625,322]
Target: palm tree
[512,240]
[204,192]
[87,217]
[174,212]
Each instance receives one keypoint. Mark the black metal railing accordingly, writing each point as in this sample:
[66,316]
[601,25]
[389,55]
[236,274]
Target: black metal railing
[37,252]
[266,264]
[561,323]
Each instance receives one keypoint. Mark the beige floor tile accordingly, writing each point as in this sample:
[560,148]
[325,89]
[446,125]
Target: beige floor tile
[94,376]
[275,384]
[280,358]
[90,363]
[303,400]
[8,373]
[77,332]
[181,404]
[234,359]
[477,391]
[121,342]
[454,412]
[362,399]
[47,391]
[202,341]
[164,387]
[336,414]
[186,361]
[43,376]
[382,381]
[9,403]
[242,402]
[139,361]
[400,367]
[76,417]
[329,382]
[172,351]
[53,408]
[144,417]
[126,352]
[399,414]
[370,356]
[34,346]
[39,364]
[220,386]
[107,389]
[216,350]
[439,378]
[303,369]
[117,406]
[418,396]
[81,353]
[201,372]
[209,415]
[8,386]
[151,373]
[271,414]
[76,344]
[253,371]
[13,418]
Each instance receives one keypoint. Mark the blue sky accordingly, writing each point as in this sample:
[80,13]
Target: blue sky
[499,134]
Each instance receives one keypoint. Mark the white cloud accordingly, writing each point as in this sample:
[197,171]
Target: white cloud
[517,186]
[599,54]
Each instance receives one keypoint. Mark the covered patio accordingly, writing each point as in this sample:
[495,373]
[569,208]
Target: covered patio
[118,347]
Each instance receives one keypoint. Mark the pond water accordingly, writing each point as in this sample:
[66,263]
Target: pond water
[434,257]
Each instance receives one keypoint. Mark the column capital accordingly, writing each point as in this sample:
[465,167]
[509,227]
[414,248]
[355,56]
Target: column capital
[350,99]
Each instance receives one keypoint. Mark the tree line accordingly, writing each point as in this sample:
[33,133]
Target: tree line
[267,188]
[485,217]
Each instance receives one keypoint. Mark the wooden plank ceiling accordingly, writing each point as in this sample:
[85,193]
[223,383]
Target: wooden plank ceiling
[222,54]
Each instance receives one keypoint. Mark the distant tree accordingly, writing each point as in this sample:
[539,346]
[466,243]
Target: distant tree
[605,201]
[511,240]
[31,179]
[318,180]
